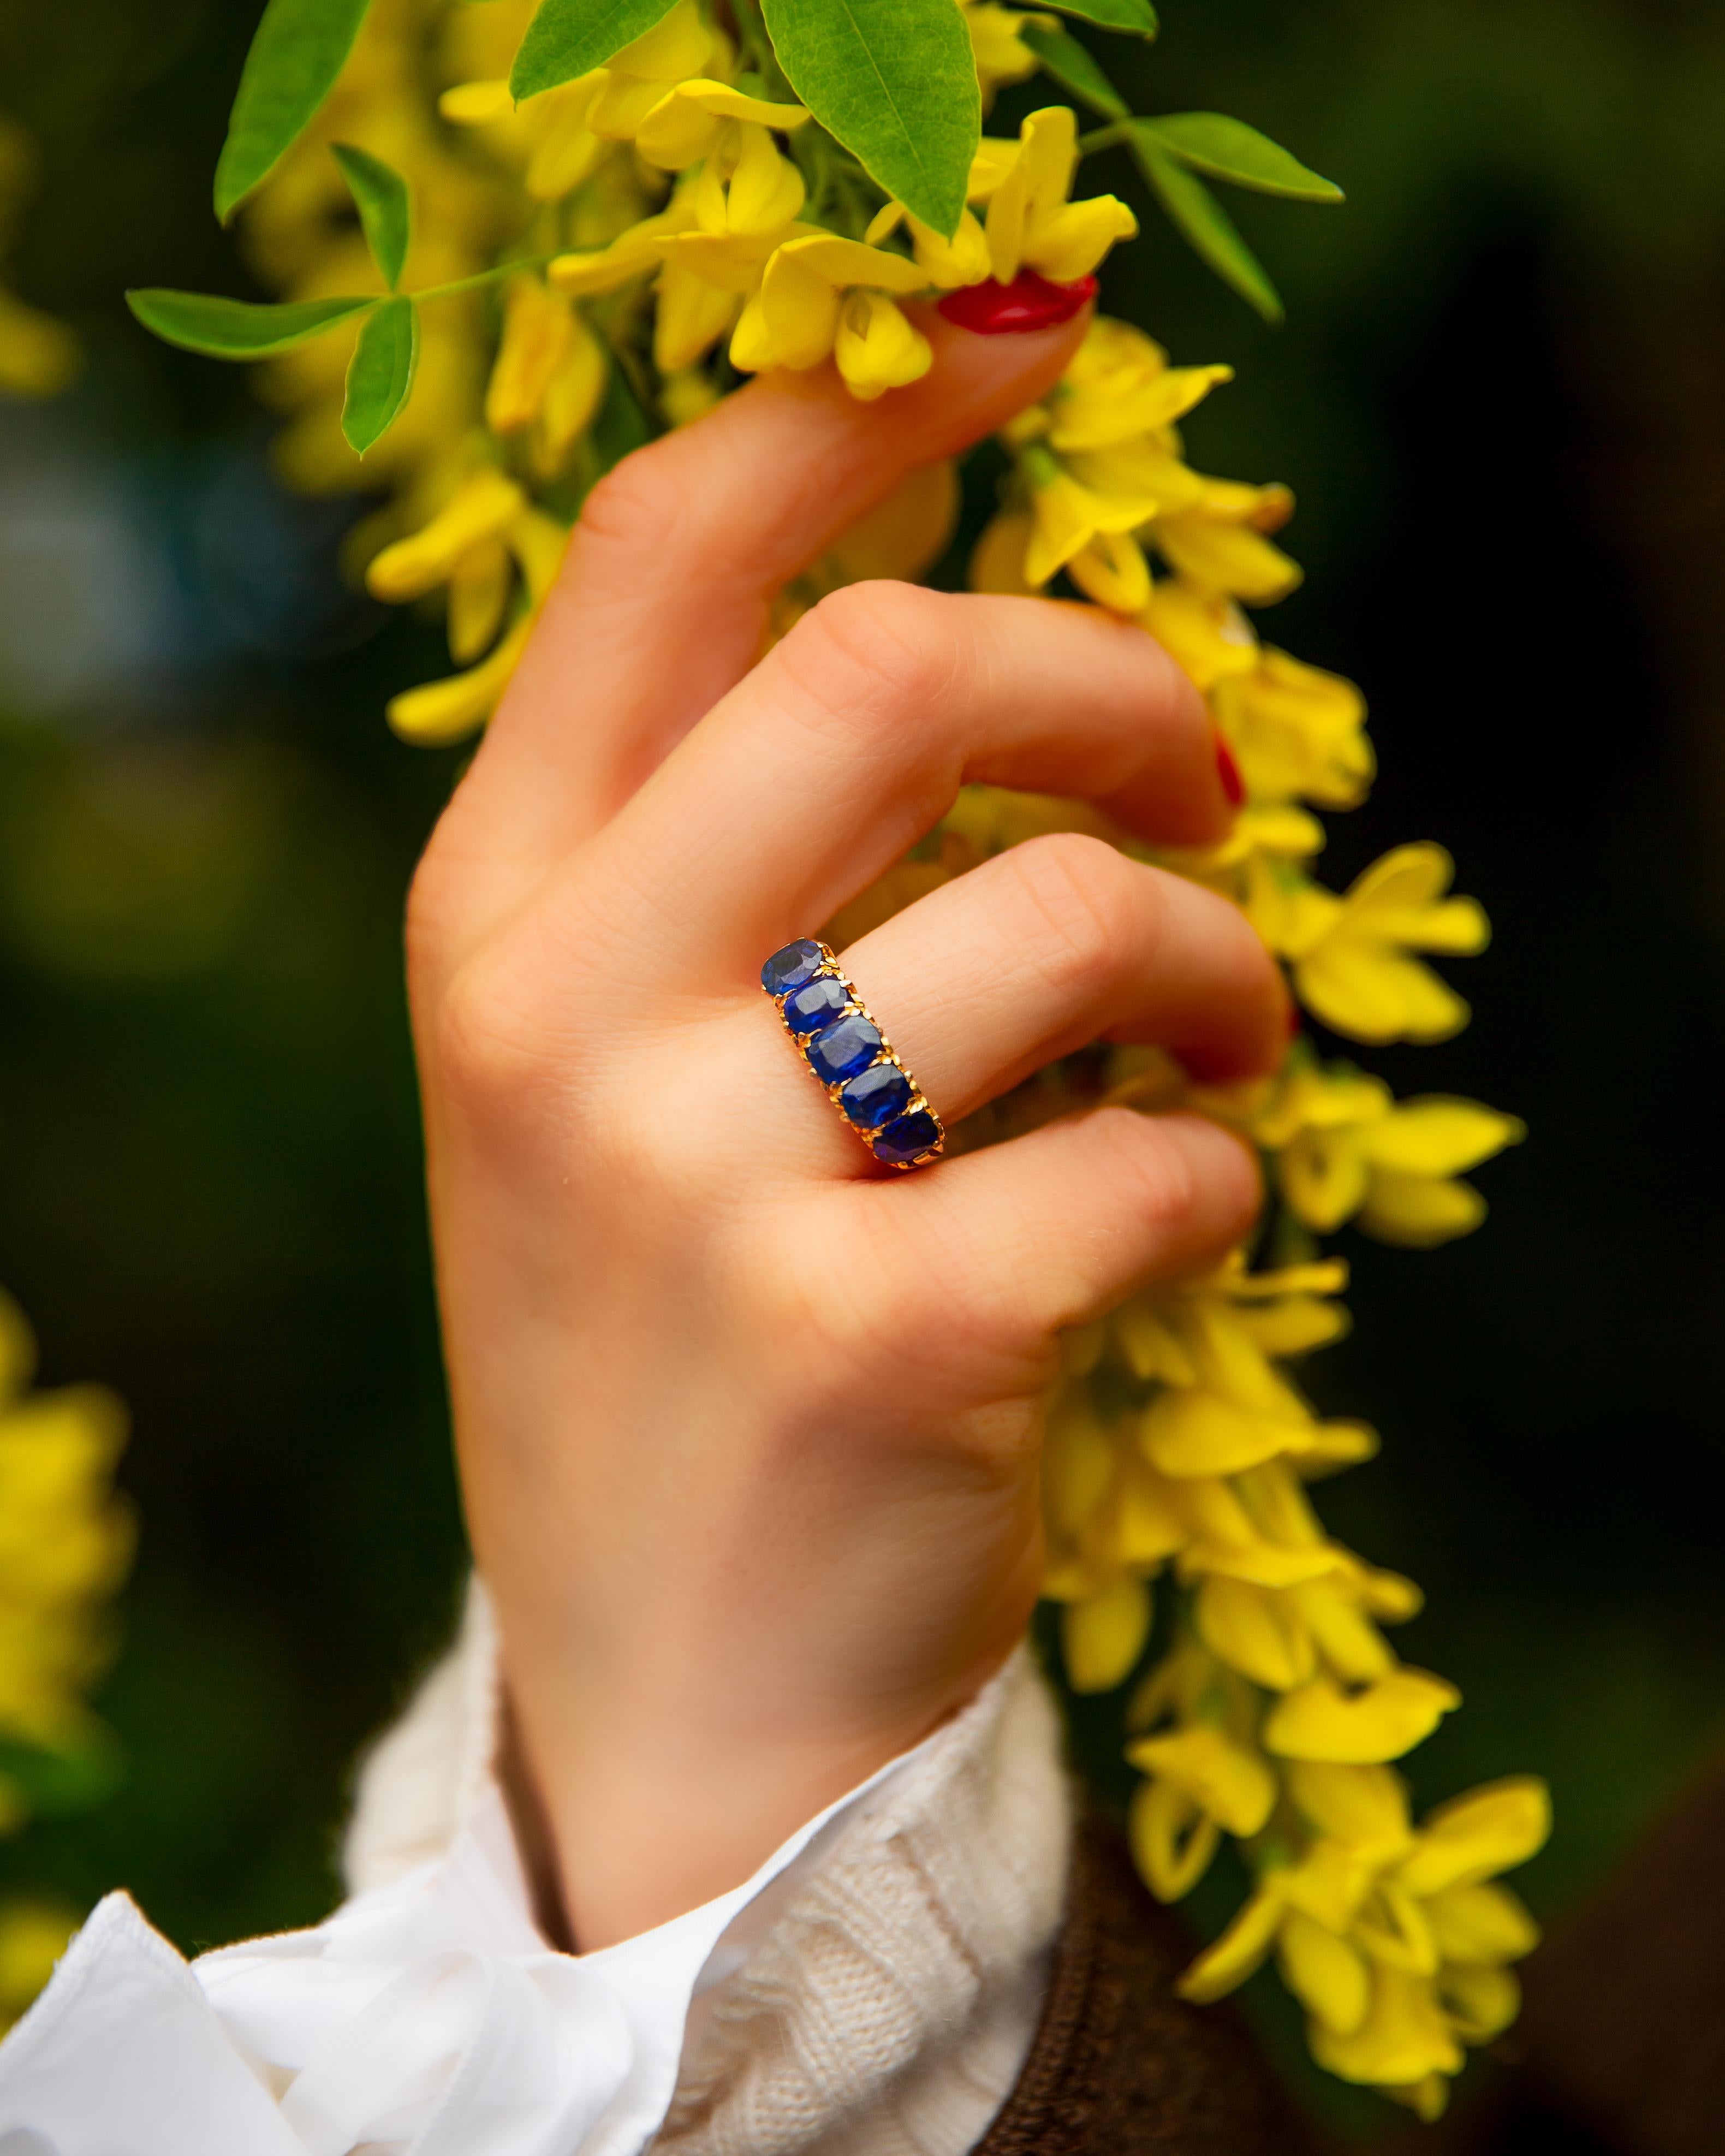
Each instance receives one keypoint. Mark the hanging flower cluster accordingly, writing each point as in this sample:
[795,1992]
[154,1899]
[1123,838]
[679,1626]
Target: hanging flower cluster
[65,1545]
[622,212]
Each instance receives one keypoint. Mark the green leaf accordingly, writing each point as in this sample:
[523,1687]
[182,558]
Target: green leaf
[566,37]
[1207,225]
[1228,150]
[1136,16]
[297,53]
[380,195]
[380,375]
[894,81]
[236,329]
[1071,66]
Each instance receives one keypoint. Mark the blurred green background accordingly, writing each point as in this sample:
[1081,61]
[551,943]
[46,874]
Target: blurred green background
[1500,398]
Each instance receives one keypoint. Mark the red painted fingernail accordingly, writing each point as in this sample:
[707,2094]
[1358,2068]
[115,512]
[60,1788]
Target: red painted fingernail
[1029,302]
[1293,1019]
[1233,785]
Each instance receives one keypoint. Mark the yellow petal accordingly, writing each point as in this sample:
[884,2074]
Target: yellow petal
[1323,1176]
[1228,1783]
[1143,1524]
[1380,1722]
[1255,1631]
[1173,1841]
[799,306]
[1418,1212]
[479,592]
[1072,242]
[679,45]
[567,149]
[444,711]
[1391,1927]
[997,560]
[684,125]
[1484,1832]
[1438,1135]
[1366,1807]
[876,348]
[1112,571]
[1325,1973]
[1403,2037]
[1204,632]
[1102,1638]
[691,315]
[1349,1642]
[1481,1923]
[33,1934]
[1297,731]
[1077,1462]
[1114,412]
[766,191]
[1375,994]
[845,262]
[537,333]
[477,104]
[963,260]
[1187,1432]
[1297,1325]
[1241,1948]
[1225,557]
[478,510]
[1481,2002]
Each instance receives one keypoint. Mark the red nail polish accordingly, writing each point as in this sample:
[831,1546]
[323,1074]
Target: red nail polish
[1233,785]
[1293,1019]
[1029,302]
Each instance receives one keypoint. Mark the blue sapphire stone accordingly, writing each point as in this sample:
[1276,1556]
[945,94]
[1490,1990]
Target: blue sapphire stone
[875,1095]
[908,1136]
[808,1009]
[842,1048]
[792,968]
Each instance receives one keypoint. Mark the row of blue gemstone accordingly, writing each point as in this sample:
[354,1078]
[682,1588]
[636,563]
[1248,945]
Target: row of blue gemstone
[844,1048]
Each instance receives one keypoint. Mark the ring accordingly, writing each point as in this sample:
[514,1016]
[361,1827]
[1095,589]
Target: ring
[852,1058]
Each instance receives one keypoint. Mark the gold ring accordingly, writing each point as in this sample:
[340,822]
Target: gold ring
[853,1059]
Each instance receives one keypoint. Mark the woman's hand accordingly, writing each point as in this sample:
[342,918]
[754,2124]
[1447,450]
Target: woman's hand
[748,1425]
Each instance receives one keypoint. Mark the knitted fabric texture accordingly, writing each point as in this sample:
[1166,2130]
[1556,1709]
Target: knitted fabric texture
[881,2001]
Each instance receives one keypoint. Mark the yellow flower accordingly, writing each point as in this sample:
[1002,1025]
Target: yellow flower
[823,295]
[688,122]
[1345,1147]
[550,373]
[1296,731]
[1377,1721]
[470,545]
[1392,1939]
[1203,1783]
[996,39]
[1031,225]
[636,80]
[1205,631]
[1350,955]
[962,260]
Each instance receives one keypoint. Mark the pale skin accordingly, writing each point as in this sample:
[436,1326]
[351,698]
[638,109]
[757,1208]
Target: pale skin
[748,1425]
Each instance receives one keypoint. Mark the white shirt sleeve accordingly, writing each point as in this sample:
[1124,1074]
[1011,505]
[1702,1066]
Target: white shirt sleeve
[428,2016]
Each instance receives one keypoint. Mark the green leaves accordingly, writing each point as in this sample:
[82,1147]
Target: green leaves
[236,329]
[566,37]
[1072,67]
[380,194]
[895,82]
[297,53]
[1137,16]
[1228,150]
[1206,224]
[1171,150]
[380,375]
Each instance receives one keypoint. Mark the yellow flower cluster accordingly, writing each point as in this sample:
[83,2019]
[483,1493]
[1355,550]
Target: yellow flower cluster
[673,220]
[65,1544]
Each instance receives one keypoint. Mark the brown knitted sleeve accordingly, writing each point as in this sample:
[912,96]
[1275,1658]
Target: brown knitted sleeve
[1120,2063]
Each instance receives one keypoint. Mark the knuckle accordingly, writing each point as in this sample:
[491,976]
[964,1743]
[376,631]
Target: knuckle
[1081,916]
[877,653]
[486,1044]
[634,506]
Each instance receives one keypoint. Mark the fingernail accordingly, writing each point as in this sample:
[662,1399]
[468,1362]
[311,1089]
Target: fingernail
[1029,302]
[1233,785]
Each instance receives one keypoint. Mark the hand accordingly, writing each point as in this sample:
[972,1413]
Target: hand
[748,1425]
